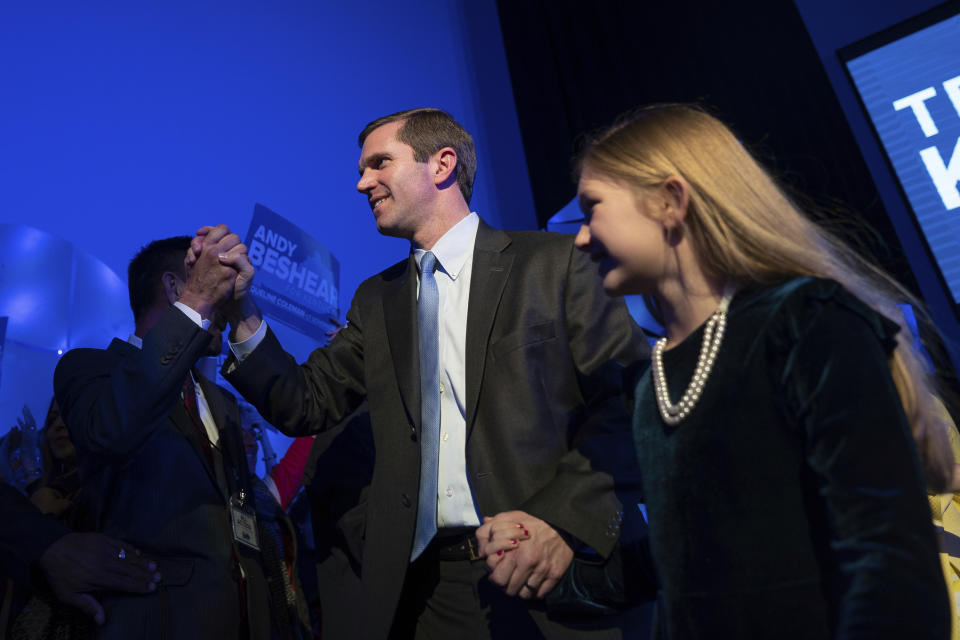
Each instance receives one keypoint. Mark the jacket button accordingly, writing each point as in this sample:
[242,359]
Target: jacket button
[405,499]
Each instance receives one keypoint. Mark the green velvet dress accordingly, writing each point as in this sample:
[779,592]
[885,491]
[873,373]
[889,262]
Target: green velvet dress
[790,502]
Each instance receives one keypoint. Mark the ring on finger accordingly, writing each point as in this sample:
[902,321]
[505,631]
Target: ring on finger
[532,588]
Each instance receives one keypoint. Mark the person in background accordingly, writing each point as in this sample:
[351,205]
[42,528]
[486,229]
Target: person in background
[160,453]
[279,538]
[785,430]
[337,480]
[20,462]
[284,479]
[60,493]
[945,507]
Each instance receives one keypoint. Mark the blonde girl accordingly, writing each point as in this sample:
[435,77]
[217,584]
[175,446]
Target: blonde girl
[785,429]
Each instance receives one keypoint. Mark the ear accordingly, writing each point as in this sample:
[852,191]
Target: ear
[675,194]
[172,286]
[445,167]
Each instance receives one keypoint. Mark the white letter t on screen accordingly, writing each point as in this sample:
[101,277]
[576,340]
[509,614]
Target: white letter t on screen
[916,102]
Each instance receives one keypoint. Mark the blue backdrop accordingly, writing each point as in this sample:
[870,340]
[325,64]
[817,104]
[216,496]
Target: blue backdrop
[121,123]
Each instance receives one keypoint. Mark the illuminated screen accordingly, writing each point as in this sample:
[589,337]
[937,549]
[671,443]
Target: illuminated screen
[908,80]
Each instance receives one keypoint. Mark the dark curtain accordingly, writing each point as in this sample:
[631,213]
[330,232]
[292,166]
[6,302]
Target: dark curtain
[576,65]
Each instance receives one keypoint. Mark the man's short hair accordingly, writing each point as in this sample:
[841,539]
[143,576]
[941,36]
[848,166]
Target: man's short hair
[151,262]
[426,131]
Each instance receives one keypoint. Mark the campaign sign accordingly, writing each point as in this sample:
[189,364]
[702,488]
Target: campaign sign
[297,281]
[910,88]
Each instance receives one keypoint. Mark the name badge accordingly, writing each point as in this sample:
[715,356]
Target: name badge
[244,521]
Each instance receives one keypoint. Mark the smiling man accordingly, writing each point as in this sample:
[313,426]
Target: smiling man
[492,364]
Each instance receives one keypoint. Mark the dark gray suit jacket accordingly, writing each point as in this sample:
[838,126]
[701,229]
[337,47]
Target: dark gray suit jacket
[150,483]
[545,352]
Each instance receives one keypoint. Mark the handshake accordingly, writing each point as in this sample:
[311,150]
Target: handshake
[219,274]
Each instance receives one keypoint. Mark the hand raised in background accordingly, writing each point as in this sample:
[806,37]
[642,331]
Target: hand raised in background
[19,454]
[29,444]
[28,421]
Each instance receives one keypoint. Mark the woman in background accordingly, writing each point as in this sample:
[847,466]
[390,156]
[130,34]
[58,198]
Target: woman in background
[60,494]
[785,430]
[36,614]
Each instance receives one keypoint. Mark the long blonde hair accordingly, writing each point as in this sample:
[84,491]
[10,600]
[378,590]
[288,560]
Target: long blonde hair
[745,229]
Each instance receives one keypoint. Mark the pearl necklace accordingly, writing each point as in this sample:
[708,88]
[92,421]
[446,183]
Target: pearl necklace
[672,414]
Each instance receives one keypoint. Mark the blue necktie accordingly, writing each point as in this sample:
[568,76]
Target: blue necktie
[428,311]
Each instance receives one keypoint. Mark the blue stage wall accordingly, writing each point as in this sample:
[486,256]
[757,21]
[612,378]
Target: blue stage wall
[121,123]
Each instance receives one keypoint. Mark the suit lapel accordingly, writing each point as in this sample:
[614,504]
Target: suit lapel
[181,419]
[399,311]
[491,270]
[178,412]
[234,460]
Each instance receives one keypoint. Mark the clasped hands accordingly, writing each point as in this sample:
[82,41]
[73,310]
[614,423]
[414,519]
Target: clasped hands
[525,555]
[219,273]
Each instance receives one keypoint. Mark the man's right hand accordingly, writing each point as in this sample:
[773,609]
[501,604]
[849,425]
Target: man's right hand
[239,308]
[211,278]
[79,563]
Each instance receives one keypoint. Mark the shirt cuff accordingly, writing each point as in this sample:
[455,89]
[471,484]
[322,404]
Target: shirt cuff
[193,315]
[242,349]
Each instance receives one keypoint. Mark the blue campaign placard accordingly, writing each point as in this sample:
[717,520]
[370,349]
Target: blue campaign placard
[298,279]
[911,90]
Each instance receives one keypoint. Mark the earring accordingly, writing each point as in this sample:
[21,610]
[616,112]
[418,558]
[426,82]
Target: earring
[672,237]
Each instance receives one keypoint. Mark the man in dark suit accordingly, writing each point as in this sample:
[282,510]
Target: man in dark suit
[159,452]
[504,412]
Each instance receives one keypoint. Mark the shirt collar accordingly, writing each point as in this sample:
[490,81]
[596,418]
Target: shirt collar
[454,247]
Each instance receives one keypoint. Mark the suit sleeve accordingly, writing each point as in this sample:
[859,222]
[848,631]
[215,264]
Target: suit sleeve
[25,534]
[305,399]
[606,345]
[113,404]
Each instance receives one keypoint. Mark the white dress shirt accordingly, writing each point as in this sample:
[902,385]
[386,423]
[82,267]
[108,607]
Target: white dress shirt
[454,252]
